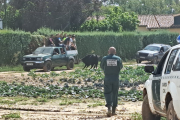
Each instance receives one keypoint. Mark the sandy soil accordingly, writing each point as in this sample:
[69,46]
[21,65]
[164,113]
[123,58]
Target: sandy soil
[76,111]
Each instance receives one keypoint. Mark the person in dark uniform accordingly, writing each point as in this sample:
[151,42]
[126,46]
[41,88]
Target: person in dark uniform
[111,65]
[56,40]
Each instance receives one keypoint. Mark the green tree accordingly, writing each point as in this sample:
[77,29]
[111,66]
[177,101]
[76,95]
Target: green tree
[144,7]
[55,14]
[116,21]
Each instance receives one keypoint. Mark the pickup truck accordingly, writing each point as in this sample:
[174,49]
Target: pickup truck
[161,93]
[47,58]
[152,52]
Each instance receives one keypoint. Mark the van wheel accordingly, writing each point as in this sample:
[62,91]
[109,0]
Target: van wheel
[146,112]
[47,66]
[26,69]
[70,65]
[171,114]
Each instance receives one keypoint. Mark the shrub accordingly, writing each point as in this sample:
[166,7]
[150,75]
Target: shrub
[126,43]
[14,44]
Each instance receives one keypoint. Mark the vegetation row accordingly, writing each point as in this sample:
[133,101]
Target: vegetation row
[14,44]
[78,84]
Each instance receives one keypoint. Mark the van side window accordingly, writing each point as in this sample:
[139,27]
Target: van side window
[170,61]
[177,64]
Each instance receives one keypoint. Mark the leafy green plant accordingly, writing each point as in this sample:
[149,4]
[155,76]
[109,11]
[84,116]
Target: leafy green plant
[45,75]
[96,104]
[163,118]
[53,74]
[11,115]
[133,75]
[7,102]
[66,103]
[42,100]
[69,102]
[136,116]
[18,99]
[32,73]
[128,77]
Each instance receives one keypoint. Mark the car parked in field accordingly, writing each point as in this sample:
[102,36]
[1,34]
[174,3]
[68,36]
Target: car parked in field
[47,58]
[161,93]
[152,52]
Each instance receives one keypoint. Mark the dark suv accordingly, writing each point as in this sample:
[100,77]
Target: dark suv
[152,52]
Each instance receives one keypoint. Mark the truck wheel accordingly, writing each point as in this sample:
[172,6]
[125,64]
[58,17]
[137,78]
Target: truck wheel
[146,112]
[70,65]
[171,115]
[26,69]
[155,60]
[47,66]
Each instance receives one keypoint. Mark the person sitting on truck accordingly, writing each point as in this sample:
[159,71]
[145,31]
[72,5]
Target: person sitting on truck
[62,51]
[64,37]
[70,37]
[56,40]
[50,41]
[66,42]
[61,35]
[56,51]
[73,44]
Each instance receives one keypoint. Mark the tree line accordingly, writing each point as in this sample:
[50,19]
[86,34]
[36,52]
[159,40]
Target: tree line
[144,7]
[71,15]
[30,15]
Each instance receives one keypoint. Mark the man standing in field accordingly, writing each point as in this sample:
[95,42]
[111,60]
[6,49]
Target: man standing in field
[111,66]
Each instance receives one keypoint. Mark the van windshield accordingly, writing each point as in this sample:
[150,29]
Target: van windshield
[152,48]
[43,50]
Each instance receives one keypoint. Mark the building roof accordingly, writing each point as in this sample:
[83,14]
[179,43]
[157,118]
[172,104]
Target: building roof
[152,21]
[156,21]
[148,20]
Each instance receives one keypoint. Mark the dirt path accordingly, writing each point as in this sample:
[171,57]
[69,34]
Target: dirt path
[73,112]
[11,76]
[25,73]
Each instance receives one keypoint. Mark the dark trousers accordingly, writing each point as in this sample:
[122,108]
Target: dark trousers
[111,87]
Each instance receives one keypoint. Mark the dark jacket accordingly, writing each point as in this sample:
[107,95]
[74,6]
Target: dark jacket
[56,41]
[111,65]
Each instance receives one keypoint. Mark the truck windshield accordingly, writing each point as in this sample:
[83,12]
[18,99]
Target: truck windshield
[43,50]
[152,48]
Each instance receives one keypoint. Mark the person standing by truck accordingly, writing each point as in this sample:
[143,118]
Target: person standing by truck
[111,65]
